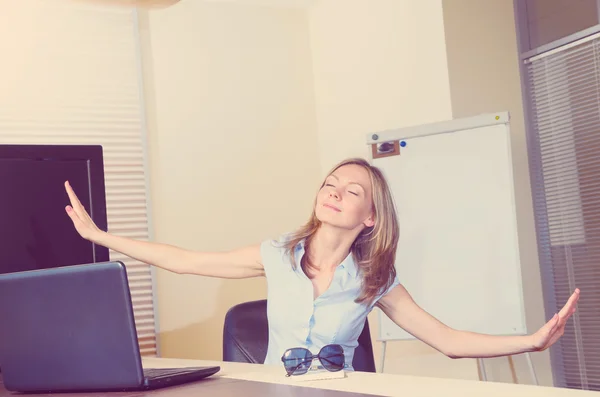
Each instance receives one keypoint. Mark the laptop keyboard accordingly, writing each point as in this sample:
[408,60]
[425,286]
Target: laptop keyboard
[159,372]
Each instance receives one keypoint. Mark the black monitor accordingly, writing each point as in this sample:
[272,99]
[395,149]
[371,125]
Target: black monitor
[35,230]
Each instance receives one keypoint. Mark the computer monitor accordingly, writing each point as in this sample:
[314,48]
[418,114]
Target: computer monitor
[35,231]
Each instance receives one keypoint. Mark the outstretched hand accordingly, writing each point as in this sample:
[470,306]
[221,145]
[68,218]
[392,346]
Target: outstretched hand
[555,328]
[84,225]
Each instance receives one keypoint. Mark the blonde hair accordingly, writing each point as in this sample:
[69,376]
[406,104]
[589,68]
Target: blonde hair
[374,249]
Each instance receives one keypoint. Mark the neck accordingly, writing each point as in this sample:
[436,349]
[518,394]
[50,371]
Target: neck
[330,246]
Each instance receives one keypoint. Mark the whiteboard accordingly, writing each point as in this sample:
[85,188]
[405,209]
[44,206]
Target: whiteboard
[458,253]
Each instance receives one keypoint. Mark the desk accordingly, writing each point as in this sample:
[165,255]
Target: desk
[356,382]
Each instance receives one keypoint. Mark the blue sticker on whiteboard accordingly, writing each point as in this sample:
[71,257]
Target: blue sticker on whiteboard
[402,143]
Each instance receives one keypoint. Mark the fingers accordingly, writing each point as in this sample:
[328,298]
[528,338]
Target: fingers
[73,215]
[75,203]
[545,334]
[72,197]
[82,221]
[555,327]
[569,308]
[565,313]
[553,323]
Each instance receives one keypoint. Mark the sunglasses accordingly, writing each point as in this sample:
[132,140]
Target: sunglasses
[298,360]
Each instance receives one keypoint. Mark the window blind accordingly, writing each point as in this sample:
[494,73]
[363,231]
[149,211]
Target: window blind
[70,75]
[564,142]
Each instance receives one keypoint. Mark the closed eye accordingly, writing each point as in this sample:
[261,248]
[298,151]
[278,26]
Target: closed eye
[356,194]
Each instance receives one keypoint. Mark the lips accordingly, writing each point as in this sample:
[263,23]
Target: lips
[332,207]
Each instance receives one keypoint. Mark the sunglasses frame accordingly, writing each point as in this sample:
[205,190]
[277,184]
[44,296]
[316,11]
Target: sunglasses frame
[310,358]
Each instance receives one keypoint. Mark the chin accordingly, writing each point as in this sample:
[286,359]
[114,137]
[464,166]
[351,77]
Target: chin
[326,216]
[321,216]
[330,219]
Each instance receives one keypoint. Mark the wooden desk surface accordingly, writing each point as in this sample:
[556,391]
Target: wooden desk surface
[232,376]
[379,384]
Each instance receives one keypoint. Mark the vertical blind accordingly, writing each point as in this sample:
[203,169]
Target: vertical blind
[70,75]
[564,95]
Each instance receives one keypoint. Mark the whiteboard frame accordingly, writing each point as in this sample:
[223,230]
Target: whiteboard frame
[444,127]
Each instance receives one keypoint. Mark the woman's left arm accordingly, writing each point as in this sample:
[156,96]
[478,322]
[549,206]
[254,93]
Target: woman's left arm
[399,306]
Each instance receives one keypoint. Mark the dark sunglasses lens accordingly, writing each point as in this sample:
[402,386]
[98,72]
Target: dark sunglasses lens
[297,361]
[332,357]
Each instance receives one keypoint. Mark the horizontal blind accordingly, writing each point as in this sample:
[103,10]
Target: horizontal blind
[564,89]
[69,75]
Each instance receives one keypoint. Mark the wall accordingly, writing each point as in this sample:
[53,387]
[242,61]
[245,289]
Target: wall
[484,77]
[233,147]
[377,65]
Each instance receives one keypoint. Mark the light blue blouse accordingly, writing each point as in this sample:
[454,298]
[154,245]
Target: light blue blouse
[298,320]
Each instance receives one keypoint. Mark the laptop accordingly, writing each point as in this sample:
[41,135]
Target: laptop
[72,329]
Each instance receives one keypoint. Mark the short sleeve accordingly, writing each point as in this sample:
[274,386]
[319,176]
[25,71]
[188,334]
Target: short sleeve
[395,283]
[268,255]
[273,258]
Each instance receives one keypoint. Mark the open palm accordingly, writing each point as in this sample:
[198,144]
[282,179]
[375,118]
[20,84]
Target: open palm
[81,219]
[555,328]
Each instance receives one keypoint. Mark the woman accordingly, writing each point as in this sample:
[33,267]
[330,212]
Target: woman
[325,278]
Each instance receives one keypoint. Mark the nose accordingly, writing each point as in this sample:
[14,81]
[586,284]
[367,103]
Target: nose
[334,194]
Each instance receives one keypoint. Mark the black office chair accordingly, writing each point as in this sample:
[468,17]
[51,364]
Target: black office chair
[246,336]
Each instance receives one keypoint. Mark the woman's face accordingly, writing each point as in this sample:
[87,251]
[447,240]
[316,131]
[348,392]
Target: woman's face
[345,200]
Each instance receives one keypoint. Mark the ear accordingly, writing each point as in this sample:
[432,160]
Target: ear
[370,221]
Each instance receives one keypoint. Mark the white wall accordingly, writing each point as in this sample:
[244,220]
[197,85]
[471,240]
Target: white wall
[377,65]
[233,148]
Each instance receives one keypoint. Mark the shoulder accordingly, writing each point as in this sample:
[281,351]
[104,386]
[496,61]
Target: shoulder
[275,253]
[275,246]
[386,292]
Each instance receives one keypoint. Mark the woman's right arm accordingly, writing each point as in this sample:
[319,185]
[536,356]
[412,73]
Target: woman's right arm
[240,263]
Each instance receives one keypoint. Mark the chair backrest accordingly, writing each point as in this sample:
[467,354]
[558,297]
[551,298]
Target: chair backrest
[246,337]
[246,333]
